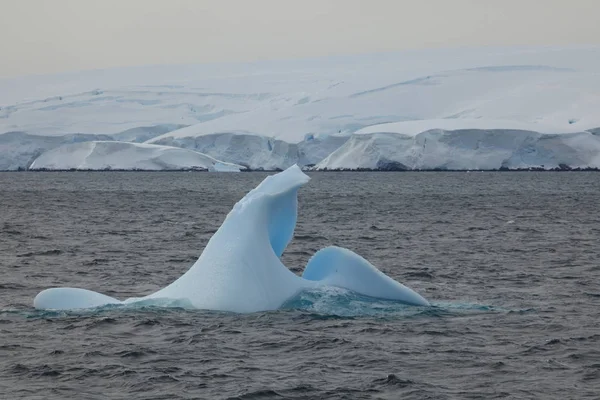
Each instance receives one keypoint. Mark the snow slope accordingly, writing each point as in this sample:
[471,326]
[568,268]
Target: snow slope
[144,133]
[252,151]
[101,155]
[273,114]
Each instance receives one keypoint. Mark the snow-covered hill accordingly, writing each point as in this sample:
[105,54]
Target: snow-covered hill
[274,114]
[103,155]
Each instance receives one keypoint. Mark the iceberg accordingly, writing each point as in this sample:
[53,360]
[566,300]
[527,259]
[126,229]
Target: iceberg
[240,269]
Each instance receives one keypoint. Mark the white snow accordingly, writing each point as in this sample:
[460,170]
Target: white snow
[259,114]
[240,268]
[413,128]
[102,155]
[144,133]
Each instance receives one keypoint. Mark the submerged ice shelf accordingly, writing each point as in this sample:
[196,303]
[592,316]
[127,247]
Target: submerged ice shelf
[240,269]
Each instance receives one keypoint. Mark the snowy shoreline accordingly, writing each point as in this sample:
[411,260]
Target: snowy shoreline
[566,169]
[465,109]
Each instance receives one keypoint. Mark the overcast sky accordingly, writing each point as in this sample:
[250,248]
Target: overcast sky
[48,36]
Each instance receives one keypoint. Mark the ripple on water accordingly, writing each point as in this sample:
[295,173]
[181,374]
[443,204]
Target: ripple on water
[515,305]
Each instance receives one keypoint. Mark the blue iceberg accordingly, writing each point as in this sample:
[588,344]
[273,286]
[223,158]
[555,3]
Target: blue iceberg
[240,269]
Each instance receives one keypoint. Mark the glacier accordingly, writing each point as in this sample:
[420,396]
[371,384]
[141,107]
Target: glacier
[273,114]
[18,150]
[253,151]
[466,149]
[240,268]
[106,155]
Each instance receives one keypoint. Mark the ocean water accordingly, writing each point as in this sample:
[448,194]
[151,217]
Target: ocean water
[509,260]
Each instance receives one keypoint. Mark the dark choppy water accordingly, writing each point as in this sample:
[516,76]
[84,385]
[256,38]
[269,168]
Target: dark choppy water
[511,261]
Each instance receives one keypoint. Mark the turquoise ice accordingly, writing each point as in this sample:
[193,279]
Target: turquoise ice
[240,269]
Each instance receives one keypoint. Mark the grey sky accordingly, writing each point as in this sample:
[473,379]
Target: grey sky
[47,36]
